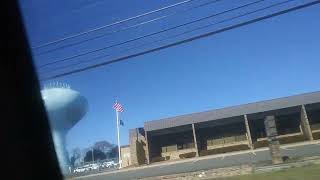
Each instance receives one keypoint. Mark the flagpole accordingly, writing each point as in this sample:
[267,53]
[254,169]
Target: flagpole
[119,149]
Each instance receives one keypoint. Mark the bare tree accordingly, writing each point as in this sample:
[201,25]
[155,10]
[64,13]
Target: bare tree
[75,154]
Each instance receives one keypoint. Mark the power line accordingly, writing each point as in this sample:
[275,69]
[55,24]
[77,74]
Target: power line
[177,35]
[186,40]
[129,27]
[113,24]
[150,34]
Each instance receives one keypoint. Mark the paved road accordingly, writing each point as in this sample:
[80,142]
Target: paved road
[209,162]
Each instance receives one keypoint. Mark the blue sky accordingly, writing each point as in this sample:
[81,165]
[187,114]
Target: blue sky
[274,58]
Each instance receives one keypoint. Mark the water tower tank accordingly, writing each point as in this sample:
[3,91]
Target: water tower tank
[65,107]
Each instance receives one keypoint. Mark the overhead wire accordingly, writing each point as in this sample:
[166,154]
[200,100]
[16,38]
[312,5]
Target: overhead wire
[173,36]
[113,24]
[176,35]
[298,7]
[150,34]
[127,28]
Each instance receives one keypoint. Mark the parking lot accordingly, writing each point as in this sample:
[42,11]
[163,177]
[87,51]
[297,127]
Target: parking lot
[94,168]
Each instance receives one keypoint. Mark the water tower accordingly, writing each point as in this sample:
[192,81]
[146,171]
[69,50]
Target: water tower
[65,107]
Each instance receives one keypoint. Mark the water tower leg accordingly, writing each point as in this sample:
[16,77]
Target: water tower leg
[59,140]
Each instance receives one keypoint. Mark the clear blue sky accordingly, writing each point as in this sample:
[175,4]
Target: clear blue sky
[274,58]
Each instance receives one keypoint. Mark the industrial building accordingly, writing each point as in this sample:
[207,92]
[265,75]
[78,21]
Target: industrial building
[236,128]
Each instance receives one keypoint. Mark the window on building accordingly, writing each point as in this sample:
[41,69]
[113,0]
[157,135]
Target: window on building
[185,146]
[169,148]
[226,140]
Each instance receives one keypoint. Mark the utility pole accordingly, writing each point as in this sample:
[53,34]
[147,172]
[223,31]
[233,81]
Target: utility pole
[92,155]
[274,145]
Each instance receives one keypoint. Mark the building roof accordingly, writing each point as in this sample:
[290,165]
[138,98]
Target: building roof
[233,111]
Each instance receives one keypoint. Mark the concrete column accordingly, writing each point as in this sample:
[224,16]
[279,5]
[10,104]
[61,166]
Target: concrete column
[248,131]
[138,147]
[274,145]
[133,138]
[195,140]
[305,126]
[148,143]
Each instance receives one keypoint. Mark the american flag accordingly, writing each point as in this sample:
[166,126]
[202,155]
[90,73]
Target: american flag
[118,107]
